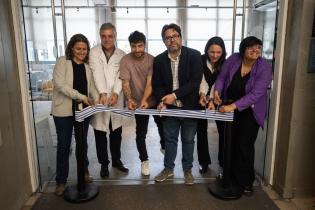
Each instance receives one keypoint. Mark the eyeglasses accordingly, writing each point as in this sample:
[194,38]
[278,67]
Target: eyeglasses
[170,38]
[254,48]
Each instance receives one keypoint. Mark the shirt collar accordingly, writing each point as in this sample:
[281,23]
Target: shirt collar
[210,67]
[172,59]
[107,58]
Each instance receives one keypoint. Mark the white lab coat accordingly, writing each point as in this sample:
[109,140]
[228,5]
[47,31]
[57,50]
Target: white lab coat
[106,77]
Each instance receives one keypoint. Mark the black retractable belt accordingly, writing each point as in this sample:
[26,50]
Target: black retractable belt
[82,192]
[225,188]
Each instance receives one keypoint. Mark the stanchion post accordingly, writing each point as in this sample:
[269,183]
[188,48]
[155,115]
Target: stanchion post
[81,192]
[80,155]
[227,161]
[224,188]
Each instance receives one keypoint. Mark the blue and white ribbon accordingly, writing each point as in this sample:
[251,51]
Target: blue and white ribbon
[199,114]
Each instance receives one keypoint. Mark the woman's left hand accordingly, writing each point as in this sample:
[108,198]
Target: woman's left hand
[228,108]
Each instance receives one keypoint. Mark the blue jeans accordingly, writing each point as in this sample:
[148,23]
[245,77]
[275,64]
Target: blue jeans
[64,128]
[187,128]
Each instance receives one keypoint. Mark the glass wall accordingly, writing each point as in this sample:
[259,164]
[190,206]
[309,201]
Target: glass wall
[199,19]
[149,21]
[129,20]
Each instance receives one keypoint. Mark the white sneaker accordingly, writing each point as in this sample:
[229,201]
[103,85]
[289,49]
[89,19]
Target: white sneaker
[145,168]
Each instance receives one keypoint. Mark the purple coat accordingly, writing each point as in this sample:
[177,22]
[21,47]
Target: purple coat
[256,86]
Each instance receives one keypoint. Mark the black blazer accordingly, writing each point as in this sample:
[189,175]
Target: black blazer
[209,76]
[189,76]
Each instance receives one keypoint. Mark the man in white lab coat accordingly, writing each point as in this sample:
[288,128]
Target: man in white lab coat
[105,62]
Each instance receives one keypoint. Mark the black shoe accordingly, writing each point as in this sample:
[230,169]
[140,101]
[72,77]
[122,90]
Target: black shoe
[219,176]
[248,191]
[120,166]
[104,171]
[203,169]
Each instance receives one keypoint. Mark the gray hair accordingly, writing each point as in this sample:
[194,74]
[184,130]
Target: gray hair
[106,26]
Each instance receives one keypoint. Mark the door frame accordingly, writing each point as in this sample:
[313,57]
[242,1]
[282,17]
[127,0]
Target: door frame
[27,112]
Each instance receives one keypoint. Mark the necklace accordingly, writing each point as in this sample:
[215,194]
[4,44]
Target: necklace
[244,73]
[245,69]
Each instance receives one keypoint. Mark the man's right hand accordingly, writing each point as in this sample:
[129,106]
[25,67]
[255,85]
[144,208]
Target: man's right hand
[132,105]
[161,106]
[103,98]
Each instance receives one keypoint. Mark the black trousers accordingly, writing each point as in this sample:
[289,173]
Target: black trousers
[202,142]
[114,144]
[142,122]
[244,134]
[64,128]
[159,123]
[221,132]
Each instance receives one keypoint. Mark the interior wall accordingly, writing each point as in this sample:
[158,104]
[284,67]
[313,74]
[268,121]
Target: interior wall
[15,175]
[294,170]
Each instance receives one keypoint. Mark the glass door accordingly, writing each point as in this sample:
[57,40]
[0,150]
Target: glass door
[46,37]
[49,24]
[42,50]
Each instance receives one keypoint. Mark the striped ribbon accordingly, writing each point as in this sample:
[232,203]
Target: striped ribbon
[199,114]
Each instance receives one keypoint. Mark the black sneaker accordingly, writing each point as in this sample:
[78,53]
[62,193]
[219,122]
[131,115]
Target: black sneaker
[104,171]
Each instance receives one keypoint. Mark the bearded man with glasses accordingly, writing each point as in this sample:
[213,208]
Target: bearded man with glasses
[177,73]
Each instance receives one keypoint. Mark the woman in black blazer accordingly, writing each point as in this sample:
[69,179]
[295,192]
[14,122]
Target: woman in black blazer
[212,61]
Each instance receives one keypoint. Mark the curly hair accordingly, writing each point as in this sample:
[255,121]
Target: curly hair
[136,37]
[74,39]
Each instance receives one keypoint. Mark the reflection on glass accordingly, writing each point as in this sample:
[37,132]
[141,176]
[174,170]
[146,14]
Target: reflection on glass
[202,13]
[125,27]
[162,13]
[123,45]
[156,47]
[208,29]
[155,28]
[198,45]
[82,21]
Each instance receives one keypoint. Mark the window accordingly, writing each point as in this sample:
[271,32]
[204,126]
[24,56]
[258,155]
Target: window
[201,23]
[146,20]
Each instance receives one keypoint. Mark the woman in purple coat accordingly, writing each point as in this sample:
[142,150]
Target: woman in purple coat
[243,82]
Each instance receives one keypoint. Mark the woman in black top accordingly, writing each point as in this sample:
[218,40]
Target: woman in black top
[212,60]
[72,79]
